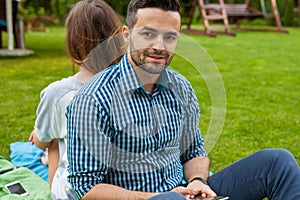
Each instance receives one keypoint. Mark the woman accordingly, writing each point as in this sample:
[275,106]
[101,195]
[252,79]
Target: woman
[94,42]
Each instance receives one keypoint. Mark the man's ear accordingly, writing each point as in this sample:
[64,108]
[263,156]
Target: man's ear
[126,34]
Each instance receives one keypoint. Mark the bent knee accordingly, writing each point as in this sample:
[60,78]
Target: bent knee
[278,155]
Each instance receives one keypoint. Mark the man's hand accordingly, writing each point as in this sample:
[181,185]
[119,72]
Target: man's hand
[200,188]
[189,193]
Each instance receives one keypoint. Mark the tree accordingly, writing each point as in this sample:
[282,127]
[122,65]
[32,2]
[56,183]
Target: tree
[119,6]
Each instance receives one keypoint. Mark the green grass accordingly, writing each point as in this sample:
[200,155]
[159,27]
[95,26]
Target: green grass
[260,71]
[22,79]
[261,75]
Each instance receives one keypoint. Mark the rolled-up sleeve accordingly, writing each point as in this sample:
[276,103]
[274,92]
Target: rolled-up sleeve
[89,146]
[192,143]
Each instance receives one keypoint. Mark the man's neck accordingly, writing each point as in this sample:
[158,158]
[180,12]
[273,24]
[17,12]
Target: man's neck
[148,80]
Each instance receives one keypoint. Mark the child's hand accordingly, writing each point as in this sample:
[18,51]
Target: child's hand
[31,137]
[44,158]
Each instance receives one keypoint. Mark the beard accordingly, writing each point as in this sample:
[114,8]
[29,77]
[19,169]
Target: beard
[141,57]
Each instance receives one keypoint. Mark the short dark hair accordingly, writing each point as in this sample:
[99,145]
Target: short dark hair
[134,5]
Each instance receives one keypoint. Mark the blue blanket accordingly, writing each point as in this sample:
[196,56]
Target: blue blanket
[25,154]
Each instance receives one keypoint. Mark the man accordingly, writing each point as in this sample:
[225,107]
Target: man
[132,127]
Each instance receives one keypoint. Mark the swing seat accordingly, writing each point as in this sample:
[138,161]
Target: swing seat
[238,12]
[235,11]
[226,12]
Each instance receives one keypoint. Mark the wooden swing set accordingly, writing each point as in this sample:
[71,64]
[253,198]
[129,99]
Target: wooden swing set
[227,12]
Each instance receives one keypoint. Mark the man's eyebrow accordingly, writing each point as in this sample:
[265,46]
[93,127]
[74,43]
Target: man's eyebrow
[172,33]
[150,29]
[175,33]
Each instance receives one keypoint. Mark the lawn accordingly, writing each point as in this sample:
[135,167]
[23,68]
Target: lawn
[260,72]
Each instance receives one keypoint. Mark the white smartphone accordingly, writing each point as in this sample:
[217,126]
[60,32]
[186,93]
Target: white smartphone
[16,188]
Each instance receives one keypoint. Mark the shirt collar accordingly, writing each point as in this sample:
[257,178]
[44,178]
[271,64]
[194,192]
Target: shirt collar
[130,81]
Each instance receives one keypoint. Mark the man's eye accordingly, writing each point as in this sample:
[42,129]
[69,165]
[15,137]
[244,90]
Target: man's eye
[148,34]
[170,37]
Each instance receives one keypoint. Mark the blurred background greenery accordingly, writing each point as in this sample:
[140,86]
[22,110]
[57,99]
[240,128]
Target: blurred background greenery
[49,11]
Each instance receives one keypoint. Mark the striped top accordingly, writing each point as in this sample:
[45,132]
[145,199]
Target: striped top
[120,134]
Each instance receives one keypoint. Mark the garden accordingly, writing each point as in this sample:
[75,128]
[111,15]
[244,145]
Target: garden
[260,72]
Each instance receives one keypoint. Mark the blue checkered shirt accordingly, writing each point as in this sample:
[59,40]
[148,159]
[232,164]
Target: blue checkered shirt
[120,134]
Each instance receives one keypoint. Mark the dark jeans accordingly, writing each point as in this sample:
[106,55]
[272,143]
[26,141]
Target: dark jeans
[168,195]
[271,173]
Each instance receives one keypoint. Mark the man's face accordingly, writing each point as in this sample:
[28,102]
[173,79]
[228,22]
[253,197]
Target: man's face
[153,39]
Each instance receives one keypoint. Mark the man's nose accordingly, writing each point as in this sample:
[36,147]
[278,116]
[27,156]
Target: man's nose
[158,43]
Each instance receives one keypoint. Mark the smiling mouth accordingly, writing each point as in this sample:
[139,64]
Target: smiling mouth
[157,57]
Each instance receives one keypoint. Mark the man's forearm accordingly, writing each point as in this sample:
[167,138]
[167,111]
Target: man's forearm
[111,192]
[197,167]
